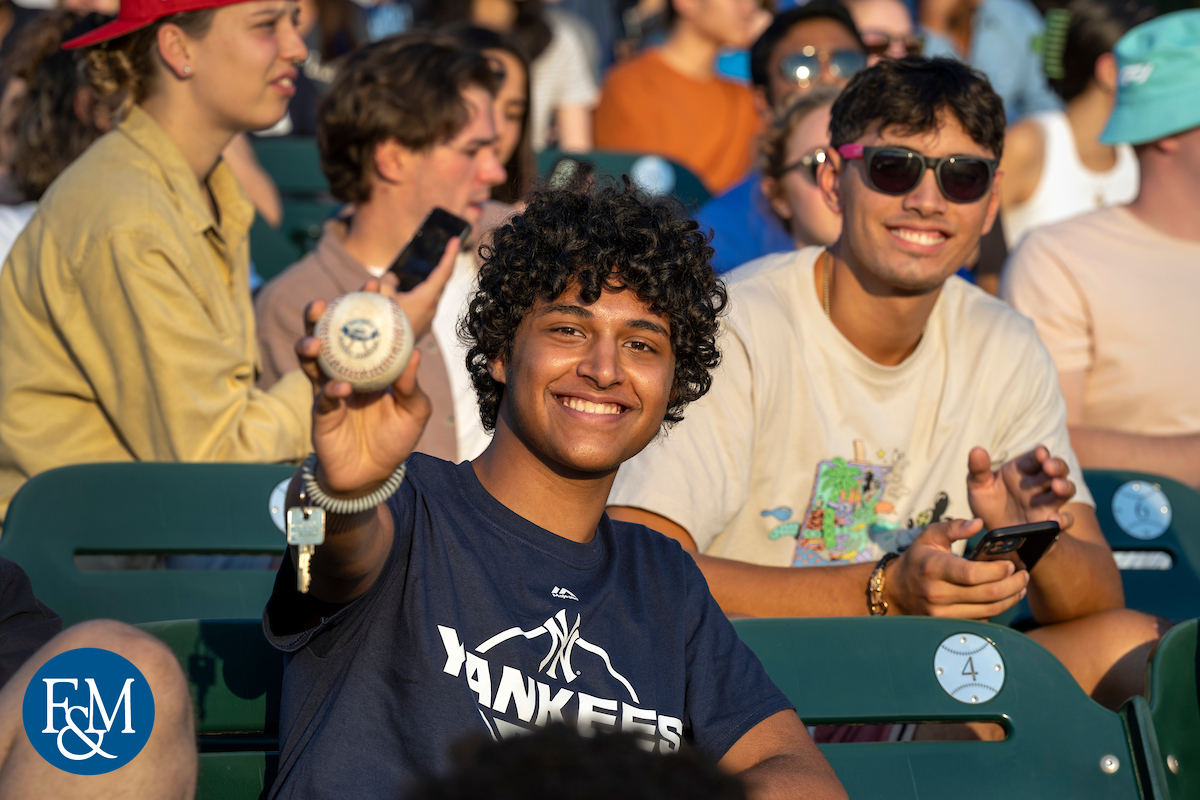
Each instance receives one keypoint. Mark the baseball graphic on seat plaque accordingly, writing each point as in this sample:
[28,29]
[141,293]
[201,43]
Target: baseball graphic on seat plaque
[366,340]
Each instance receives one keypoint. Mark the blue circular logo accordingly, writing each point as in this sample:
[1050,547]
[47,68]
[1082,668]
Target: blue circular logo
[88,711]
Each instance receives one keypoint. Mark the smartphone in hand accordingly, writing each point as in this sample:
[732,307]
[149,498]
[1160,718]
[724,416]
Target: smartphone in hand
[422,254]
[1024,545]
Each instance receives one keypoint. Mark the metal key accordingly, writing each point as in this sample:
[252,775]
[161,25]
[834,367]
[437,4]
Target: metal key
[305,530]
[303,575]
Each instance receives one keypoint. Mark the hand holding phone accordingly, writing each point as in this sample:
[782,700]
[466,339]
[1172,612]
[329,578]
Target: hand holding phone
[931,579]
[1024,545]
[422,254]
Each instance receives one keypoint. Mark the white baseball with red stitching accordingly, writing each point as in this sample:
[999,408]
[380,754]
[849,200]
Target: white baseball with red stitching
[366,340]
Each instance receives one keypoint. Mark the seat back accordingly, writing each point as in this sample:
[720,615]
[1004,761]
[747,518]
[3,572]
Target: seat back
[294,163]
[236,775]
[132,509]
[1059,742]
[654,174]
[276,249]
[1158,551]
[235,678]
[1173,674]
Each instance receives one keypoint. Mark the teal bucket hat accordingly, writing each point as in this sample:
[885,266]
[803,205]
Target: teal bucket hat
[1158,89]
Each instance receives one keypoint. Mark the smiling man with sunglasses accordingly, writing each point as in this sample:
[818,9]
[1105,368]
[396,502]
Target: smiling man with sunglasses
[867,397]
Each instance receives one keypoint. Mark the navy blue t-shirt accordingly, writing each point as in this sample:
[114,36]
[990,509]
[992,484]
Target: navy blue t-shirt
[483,623]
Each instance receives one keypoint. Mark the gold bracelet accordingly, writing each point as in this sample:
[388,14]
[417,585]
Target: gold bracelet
[875,602]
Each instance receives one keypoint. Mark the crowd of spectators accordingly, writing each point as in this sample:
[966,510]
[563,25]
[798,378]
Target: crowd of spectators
[807,392]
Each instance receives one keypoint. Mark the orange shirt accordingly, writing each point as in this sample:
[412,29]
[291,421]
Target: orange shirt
[709,126]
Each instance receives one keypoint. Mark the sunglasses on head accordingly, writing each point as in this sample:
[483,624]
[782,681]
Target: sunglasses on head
[879,43]
[896,171]
[805,67]
[809,162]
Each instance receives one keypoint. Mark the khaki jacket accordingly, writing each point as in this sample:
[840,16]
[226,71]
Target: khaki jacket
[126,326]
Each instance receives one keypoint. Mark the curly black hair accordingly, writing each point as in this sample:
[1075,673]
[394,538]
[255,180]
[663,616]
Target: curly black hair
[601,236]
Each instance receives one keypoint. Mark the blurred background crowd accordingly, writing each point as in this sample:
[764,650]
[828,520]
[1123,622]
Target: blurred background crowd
[163,227]
[724,103]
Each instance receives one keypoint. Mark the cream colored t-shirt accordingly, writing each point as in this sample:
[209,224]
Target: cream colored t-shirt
[806,452]
[1117,300]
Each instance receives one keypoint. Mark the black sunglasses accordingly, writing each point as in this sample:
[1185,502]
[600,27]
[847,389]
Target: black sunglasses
[805,67]
[895,170]
[809,162]
[879,43]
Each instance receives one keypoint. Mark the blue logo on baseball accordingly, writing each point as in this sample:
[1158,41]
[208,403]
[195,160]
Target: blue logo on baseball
[88,711]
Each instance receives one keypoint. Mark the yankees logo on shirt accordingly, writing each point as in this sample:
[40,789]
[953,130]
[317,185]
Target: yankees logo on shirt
[512,702]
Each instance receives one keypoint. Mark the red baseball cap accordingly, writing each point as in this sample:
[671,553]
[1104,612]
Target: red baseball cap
[136,14]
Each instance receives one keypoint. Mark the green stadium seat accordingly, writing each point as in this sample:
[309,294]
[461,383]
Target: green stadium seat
[236,775]
[294,163]
[276,249]
[272,250]
[1160,573]
[838,671]
[146,508]
[1059,743]
[235,678]
[655,174]
[1166,727]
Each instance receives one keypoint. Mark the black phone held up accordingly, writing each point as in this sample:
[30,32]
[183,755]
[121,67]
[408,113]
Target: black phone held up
[422,254]
[1024,545]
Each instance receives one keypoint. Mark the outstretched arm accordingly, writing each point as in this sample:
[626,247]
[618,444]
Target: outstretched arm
[777,758]
[360,440]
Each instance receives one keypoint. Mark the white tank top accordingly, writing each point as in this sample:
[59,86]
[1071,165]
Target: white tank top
[1067,188]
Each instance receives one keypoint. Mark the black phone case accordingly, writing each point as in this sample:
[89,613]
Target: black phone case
[422,254]
[1036,540]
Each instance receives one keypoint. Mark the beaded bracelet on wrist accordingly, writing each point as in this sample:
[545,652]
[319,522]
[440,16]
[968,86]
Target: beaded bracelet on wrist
[876,605]
[355,505]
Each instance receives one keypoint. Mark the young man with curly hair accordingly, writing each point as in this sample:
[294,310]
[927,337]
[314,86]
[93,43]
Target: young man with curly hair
[495,595]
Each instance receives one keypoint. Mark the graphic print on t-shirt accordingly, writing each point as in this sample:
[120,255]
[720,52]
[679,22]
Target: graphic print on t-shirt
[853,514]
[512,702]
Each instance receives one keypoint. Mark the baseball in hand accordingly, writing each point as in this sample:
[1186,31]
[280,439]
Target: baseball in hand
[366,340]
